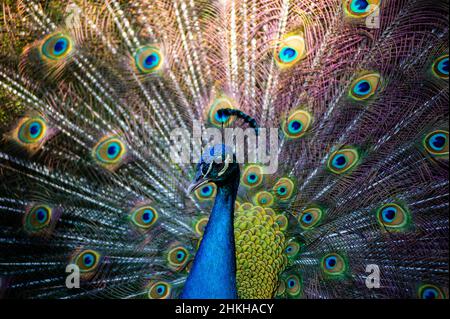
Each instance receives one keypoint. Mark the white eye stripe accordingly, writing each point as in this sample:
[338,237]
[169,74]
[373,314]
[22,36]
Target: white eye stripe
[225,167]
[209,169]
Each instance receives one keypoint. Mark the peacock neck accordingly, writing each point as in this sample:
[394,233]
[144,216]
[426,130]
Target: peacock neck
[213,274]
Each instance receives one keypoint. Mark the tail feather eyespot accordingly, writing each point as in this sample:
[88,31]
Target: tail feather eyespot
[440,67]
[56,46]
[365,86]
[148,59]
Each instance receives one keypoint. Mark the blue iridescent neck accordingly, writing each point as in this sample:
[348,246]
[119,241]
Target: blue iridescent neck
[213,274]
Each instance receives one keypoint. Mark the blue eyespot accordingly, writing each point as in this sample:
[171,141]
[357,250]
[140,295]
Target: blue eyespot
[292,249]
[295,127]
[160,289]
[307,218]
[252,178]
[362,88]
[330,262]
[365,86]
[57,46]
[113,150]
[437,141]
[334,265]
[427,291]
[35,129]
[151,61]
[41,215]
[37,218]
[430,293]
[177,258]
[393,216]
[88,260]
[31,130]
[60,46]
[148,59]
[291,283]
[388,214]
[147,216]
[180,255]
[293,286]
[109,152]
[360,6]
[339,161]
[282,190]
[297,124]
[442,66]
[144,217]
[288,54]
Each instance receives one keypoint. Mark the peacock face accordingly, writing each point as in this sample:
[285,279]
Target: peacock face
[218,165]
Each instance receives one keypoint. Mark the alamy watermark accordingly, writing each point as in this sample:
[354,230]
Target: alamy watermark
[373,278]
[373,19]
[248,147]
[73,279]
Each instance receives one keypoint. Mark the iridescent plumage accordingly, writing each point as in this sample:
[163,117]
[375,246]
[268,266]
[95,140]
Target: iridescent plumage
[90,92]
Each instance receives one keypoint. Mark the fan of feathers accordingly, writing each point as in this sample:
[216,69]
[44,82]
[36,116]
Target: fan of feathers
[91,91]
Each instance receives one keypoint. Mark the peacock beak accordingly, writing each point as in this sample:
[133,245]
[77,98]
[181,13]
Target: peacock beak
[197,183]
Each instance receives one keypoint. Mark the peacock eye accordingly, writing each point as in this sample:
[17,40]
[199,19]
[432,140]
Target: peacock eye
[159,290]
[109,151]
[148,59]
[206,192]
[293,285]
[263,199]
[290,50]
[392,216]
[252,176]
[430,292]
[365,86]
[221,118]
[87,260]
[360,8]
[292,249]
[343,160]
[177,257]
[56,46]
[333,264]
[297,124]
[283,188]
[310,217]
[436,143]
[38,218]
[32,130]
[440,67]
[144,217]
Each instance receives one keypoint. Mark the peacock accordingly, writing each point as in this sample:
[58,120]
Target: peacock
[94,204]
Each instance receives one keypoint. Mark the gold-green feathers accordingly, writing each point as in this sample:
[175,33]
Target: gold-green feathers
[260,246]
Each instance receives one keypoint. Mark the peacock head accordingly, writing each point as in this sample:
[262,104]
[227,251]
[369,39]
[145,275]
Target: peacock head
[218,165]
